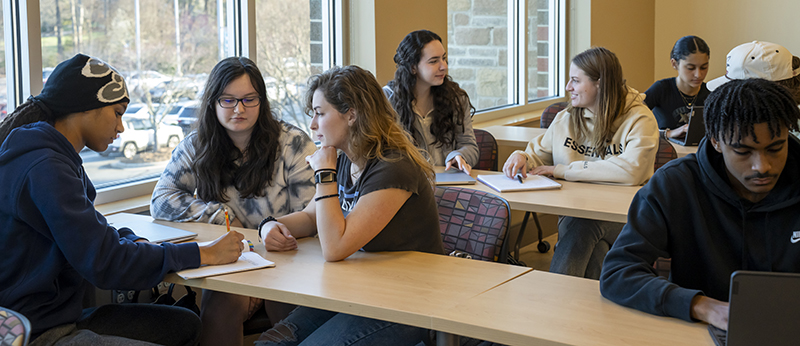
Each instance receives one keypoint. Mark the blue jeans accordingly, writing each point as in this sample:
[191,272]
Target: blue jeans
[308,326]
[159,324]
[582,245]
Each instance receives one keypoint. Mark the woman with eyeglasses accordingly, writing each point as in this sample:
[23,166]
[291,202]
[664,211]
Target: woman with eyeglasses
[241,160]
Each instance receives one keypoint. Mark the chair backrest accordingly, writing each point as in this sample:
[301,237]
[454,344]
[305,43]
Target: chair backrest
[15,329]
[550,113]
[487,150]
[473,222]
[666,152]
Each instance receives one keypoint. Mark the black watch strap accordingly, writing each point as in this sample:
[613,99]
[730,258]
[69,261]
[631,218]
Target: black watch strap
[264,222]
[325,176]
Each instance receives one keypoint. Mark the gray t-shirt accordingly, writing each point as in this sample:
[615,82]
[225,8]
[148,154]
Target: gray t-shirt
[415,227]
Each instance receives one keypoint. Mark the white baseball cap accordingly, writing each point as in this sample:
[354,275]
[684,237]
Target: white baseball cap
[756,59]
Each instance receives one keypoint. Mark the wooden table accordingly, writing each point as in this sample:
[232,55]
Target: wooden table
[587,200]
[541,308]
[404,287]
[682,150]
[484,300]
[514,136]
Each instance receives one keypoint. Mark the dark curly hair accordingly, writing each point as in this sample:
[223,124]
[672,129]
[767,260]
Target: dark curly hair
[215,166]
[733,108]
[449,100]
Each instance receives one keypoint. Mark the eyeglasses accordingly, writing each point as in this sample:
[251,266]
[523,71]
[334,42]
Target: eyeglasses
[232,102]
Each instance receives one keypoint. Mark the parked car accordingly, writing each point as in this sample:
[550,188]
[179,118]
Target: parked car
[138,137]
[187,116]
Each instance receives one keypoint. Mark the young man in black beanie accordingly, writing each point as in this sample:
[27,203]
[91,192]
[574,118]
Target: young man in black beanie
[734,205]
[52,240]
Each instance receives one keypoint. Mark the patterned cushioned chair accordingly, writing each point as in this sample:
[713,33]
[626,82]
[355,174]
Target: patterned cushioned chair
[487,150]
[666,152]
[15,329]
[550,113]
[473,223]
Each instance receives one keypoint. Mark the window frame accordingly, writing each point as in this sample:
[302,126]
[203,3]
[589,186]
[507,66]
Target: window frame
[22,33]
[519,102]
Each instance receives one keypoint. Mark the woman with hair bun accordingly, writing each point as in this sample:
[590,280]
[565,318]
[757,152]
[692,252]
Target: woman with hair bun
[672,99]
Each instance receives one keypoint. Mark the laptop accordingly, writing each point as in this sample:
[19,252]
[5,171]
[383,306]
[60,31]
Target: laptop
[764,310]
[696,130]
[453,176]
[144,226]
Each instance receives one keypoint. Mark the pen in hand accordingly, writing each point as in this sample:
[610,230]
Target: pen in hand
[519,177]
[227,221]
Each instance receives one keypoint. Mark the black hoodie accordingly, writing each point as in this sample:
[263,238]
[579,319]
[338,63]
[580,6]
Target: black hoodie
[52,239]
[689,212]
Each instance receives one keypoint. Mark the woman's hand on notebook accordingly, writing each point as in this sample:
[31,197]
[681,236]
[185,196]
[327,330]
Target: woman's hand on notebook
[543,170]
[226,249]
[710,310]
[515,164]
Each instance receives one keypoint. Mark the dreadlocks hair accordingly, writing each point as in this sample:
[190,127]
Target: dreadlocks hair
[27,113]
[733,108]
[450,101]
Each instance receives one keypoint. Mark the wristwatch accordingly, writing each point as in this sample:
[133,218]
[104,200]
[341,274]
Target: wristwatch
[322,177]
[264,222]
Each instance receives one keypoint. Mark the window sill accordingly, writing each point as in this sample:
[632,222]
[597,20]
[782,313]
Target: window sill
[130,205]
[520,119]
[131,197]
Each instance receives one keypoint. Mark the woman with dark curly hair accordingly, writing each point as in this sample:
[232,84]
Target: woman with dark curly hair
[431,106]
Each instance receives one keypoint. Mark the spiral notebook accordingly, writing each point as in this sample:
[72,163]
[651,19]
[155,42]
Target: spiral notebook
[502,183]
[247,261]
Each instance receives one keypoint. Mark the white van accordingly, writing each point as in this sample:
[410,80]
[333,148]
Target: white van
[138,137]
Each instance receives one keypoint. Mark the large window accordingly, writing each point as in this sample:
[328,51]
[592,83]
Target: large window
[506,53]
[165,50]
[289,41]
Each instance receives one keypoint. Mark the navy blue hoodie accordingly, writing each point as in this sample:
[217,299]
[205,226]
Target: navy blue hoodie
[688,211]
[52,238]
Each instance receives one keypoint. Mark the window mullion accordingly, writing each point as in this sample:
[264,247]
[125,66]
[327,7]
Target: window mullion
[23,50]
[518,52]
[241,28]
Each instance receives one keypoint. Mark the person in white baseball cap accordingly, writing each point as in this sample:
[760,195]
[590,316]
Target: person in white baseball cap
[759,59]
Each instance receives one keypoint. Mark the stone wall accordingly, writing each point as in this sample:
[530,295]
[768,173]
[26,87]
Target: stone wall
[478,49]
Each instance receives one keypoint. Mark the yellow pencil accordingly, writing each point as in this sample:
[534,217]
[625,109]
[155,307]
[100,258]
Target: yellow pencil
[227,221]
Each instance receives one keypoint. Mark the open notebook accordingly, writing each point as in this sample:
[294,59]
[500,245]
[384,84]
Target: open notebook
[247,261]
[502,183]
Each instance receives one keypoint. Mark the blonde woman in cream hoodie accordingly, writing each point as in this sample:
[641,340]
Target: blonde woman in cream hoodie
[606,135]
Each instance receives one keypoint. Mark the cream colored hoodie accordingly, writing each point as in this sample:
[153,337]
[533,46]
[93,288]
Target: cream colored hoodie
[629,158]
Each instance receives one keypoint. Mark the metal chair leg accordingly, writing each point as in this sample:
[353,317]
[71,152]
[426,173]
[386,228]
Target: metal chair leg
[543,245]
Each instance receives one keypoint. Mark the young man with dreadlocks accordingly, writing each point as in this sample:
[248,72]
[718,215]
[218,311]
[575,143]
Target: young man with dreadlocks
[731,206]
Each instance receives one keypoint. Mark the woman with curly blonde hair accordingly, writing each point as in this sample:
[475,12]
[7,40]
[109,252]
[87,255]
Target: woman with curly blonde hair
[376,195]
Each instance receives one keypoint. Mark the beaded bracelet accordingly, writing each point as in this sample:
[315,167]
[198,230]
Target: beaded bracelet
[324,197]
